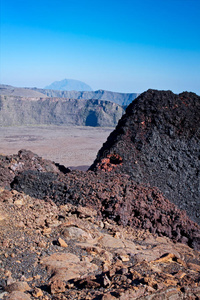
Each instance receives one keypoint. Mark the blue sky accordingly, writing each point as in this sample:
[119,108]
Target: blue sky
[124,46]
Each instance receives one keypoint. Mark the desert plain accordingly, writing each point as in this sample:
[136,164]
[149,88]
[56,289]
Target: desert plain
[73,146]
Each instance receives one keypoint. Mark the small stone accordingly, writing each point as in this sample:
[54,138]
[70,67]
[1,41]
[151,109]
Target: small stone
[111,242]
[10,280]
[124,257]
[76,233]
[86,259]
[46,231]
[3,295]
[2,216]
[17,295]
[7,273]
[101,224]
[37,293]
[23,278]
[21,286]
[168,257]
[62,243]
[19,202]
[106,266]
[57,286]
[117,235]
[106,281]
[6,243]
[108,296]
[20,224]
[42,244]
[194,267]
[36,277]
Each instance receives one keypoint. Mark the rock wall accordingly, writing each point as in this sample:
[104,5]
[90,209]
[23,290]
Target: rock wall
[28,111]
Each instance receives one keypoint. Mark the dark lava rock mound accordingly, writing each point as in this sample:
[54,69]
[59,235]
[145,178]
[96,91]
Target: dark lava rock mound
[157,142]
[12,165]
[115,197]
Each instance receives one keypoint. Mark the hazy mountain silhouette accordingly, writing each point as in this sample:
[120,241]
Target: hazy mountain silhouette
[69,85]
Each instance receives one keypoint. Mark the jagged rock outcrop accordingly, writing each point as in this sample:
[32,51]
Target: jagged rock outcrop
[157,142]
[58,111]
[12,165]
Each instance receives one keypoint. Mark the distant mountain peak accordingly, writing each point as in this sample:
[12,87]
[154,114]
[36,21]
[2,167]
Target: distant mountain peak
[69,85]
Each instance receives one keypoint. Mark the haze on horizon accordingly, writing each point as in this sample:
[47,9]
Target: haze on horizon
[122,46]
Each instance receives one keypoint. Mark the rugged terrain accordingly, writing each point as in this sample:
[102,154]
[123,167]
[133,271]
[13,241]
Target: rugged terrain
[157,142]
[105,233]
[76,235]
[16,110]
[65,252]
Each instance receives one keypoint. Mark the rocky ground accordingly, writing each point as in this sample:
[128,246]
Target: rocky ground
[51,251]
[78,239]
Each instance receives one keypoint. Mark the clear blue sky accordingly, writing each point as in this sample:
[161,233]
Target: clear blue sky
[118,45]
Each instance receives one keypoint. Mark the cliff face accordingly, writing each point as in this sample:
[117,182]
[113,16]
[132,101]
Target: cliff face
[157,142]
[122,99]
[23,111]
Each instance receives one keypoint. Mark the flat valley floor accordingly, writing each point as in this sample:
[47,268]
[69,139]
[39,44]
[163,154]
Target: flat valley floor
[74,147]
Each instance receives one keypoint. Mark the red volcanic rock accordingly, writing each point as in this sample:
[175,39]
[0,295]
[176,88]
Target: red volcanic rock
[110,162]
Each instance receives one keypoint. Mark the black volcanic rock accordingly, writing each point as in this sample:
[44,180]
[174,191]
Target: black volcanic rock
[158,142]
[12,165]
